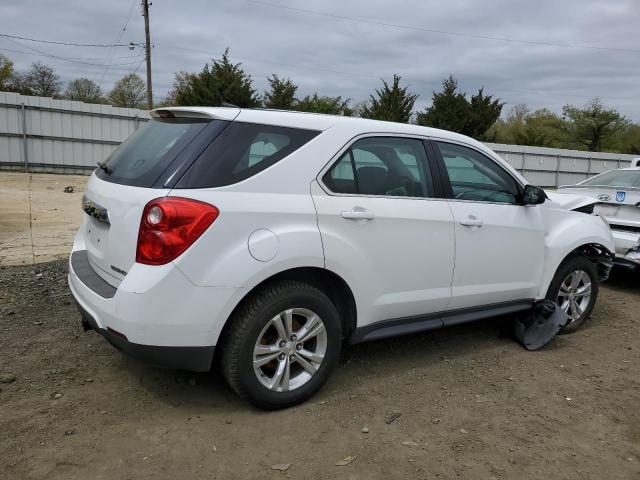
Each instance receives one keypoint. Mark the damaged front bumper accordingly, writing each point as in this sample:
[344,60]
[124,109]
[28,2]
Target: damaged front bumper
[599,255]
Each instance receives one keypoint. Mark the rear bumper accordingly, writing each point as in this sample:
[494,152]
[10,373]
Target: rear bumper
[196,359]
[627,248]
[155,314]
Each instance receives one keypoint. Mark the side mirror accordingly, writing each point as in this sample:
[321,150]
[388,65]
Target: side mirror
[533,195]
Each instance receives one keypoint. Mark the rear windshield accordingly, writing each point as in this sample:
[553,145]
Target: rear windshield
[616,178]
[241,151]
[141,158]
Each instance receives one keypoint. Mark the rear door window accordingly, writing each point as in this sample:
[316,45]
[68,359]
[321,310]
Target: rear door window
[241,151]
[386,166]
[140,159]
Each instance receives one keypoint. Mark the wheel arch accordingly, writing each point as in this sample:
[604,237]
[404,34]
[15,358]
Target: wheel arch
[597,253]
[330,283]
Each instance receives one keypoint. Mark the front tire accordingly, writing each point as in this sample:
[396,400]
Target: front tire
[575,289]
[281,345]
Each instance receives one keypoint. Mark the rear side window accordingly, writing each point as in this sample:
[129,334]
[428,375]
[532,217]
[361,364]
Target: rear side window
[387,166]
[241,151]
[142,157]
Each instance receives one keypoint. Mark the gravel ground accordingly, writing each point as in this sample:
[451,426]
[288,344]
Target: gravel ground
[463,402]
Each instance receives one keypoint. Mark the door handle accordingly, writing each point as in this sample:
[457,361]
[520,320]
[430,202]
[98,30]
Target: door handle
[358,213]
[471,221]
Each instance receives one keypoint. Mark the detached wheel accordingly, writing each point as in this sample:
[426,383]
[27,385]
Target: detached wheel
[575,289]
[281,345]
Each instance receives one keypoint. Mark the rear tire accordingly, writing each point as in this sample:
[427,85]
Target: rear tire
[575,289]
[281,345]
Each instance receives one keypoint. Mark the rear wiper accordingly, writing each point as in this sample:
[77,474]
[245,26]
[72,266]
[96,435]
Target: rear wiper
[104,168]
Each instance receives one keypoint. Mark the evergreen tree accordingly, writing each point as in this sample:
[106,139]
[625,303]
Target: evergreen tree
[324,104]
[450,110]
[483,112]
[393,104]
[221,82]
[281,94]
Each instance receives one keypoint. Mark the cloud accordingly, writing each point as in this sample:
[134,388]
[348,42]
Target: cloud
[337,56]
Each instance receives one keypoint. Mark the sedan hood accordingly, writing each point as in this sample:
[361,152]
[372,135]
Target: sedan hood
[570,201]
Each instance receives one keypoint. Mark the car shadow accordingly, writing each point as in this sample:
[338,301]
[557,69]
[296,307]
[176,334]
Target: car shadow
[401,354]
[624,280]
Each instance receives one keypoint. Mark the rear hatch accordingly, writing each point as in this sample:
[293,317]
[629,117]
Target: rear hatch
[139,170]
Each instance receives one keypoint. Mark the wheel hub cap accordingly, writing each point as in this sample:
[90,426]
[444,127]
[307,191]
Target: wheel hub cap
[290,349]
[574,294]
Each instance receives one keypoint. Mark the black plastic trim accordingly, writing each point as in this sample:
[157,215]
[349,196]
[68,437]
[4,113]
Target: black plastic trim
[432,321]
[87,275]
[195,359]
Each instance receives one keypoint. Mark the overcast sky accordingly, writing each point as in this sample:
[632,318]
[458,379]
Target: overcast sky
[424,41]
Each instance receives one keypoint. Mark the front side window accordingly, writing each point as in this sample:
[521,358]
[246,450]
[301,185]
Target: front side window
[241,151]
[474,176]
[386,166]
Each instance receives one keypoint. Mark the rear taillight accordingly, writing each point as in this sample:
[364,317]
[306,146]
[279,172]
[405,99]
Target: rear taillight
[169,225]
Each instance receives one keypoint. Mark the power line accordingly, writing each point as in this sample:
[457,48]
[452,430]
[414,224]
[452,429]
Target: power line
[100,45]
[84,59]
[113,50]
[64,59]
[443,32]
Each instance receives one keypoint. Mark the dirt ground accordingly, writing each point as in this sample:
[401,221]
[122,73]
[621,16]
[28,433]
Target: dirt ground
[472,403]
[37,218]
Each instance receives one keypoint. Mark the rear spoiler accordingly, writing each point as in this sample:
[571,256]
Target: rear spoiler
[217,113]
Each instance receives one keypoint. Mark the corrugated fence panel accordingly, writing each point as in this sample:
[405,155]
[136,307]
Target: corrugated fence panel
[61,135]
[68,136]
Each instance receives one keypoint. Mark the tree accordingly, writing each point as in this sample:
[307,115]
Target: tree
[129,92]
[393,104]
[222,82]
[181,83]
[41,81]
[6,72]
[83,90]
[594,124]
[281,94]
[324,104]
[450,110]
[483,112]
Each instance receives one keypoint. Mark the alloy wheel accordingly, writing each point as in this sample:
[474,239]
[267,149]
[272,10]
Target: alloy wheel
[290,349]
[575,294]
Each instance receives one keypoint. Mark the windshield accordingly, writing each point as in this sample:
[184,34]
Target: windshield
[615,178]
[142,157]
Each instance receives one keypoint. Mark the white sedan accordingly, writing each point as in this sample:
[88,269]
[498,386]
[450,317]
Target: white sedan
[618,195]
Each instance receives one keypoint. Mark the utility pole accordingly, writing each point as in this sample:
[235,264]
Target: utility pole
[147,52]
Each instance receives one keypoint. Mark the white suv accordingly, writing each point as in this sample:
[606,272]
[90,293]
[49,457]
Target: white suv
[271,237]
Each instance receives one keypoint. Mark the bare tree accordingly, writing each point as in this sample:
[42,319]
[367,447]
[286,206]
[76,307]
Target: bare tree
[42,81]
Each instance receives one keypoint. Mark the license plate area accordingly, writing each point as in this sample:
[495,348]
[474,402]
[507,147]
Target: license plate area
[606,210]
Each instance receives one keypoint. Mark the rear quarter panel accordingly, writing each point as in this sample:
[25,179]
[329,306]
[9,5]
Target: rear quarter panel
[221,256]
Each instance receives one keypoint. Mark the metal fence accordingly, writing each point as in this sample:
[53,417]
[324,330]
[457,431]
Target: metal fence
[550,167]
[40,134]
